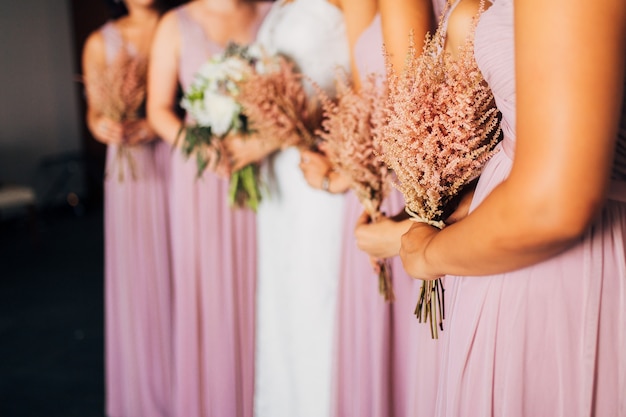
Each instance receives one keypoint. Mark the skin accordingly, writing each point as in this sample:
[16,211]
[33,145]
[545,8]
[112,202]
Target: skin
[222,21]
[399,19]
[567,124]
[137,28]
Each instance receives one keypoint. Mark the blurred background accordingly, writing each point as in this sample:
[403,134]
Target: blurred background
[51,240]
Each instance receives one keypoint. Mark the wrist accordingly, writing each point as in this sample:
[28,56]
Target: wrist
[337,184]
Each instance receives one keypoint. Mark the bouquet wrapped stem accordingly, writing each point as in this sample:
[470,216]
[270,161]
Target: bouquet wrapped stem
[430,306]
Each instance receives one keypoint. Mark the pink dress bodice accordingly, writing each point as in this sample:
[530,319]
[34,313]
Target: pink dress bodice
[494,54]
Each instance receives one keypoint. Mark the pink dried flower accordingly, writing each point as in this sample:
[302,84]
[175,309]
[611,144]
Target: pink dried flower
[277,105]
[118,91]
[441,126]
[347,134]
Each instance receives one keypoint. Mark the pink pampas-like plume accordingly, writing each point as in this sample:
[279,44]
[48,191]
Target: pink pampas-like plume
[347,127]
[118,91]
[441,127]
[277,105]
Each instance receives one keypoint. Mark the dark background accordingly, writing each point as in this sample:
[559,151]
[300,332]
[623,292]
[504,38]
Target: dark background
[51,257]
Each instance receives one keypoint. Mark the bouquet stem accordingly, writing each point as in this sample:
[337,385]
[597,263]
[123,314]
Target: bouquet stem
[430,306]
[385,287]
[122,155]
[244,188]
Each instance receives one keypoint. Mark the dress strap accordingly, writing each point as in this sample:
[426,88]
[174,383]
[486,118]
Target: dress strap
[113,40]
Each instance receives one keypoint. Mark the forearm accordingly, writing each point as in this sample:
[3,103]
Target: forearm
[504,233]
[399,19]
[166,124]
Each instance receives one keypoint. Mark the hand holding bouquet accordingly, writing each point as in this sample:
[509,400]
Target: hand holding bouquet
[441,127]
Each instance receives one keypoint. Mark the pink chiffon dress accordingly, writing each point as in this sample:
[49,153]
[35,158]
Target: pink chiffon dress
[214,272]
[548,339]
[385,361]
[138,299]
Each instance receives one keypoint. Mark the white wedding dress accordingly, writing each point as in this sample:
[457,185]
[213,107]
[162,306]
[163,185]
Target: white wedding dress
[299,236]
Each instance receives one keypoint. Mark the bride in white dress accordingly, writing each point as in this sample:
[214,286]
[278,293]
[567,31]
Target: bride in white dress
[299,235]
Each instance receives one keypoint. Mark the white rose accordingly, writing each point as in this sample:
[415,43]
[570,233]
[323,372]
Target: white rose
[219,111]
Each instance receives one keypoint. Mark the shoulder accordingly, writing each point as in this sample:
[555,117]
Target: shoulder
[460,22]
[94,47]
[167,37]
[169,25]
[169,21]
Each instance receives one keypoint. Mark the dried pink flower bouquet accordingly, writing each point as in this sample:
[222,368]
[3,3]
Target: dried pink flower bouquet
[277,105]
[118,91]
[441,127]
[347,125]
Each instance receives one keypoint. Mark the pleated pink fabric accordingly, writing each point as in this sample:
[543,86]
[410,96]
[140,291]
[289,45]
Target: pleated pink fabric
[549,339]
[214,273]
[415,355]
[138,299]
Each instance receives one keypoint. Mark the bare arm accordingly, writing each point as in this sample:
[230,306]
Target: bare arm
[399,18]
[357,14]
[570,72]
[163,79]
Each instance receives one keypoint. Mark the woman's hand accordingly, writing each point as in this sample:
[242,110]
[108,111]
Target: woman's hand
[137,132]
[413,250]
[217,160]
[315,167]
[241,151]
[108,131]
[318,173]
[380,239]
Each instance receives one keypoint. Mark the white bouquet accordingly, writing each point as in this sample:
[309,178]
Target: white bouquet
[211,103]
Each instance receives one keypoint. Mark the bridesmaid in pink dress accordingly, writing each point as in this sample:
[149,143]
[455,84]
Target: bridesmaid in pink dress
[537,323]
[213,245]
[137,268]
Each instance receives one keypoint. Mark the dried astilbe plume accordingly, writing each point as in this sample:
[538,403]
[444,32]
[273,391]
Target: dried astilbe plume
[277,105]
[347,134]
[441,128]
[118,91]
